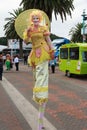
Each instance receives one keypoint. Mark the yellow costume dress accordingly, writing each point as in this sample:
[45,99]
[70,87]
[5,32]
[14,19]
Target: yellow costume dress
[40,49]
[39,58]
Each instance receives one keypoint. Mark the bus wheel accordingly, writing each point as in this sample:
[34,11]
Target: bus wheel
[68,74]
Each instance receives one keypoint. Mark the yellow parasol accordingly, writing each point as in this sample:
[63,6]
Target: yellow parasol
[22,22]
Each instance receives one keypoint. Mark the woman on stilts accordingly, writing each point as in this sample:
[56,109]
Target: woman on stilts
[42,51]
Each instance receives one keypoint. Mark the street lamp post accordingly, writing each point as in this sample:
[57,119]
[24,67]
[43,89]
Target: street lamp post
[83,28]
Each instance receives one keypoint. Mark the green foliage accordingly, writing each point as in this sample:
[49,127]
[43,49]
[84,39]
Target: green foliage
[9,27]
[75,33]
[53,36]
[3,41]
[61,7]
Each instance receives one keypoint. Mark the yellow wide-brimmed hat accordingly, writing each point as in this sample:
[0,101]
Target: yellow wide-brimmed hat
[23,21]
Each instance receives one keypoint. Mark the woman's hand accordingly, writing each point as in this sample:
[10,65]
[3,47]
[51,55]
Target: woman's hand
[52,54]
[26,35]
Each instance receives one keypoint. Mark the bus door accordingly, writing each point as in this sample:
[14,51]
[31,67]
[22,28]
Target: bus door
[84,61]
[74,66]
[63,59]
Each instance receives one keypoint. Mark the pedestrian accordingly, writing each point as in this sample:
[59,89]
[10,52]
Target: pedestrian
[8,62]
[53,65]
[4,58]
[28,60]
[16,62]
[42,52]
[11,62]
[25,59]
[1,66]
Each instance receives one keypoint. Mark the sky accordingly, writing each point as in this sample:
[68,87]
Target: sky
[57,27]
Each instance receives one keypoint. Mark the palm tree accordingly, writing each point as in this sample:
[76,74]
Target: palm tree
[9,28]
[61,7]
[75,33]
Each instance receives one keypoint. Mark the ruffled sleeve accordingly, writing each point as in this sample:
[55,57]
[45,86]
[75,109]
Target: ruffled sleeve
[46,31]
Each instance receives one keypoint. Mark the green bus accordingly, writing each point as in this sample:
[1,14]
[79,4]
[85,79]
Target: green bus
[73,59]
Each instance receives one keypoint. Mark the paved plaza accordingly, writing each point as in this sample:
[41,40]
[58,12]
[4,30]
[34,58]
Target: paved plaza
[66,110]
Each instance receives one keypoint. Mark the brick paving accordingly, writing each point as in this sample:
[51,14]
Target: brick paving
[10,117]
[66,109]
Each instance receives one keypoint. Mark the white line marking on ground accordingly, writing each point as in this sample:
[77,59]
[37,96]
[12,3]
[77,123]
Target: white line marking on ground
[29,112]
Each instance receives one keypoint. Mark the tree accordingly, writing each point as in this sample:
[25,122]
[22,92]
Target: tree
[9,28]
[3,41]
[53,36]
[75,33]
[61,7]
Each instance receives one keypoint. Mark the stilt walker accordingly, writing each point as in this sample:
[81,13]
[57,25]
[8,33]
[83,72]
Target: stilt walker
[34,26]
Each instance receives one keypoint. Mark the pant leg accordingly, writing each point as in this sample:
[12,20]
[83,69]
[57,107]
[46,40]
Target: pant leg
[0,74]
[17,66]
[41,116]
[53,68]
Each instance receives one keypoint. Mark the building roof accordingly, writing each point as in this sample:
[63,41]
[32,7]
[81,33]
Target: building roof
[3,47]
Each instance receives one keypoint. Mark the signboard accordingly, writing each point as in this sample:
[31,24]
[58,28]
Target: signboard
[14,44]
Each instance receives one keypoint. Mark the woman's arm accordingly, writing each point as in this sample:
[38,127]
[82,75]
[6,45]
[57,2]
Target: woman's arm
[49,42]
[51,49]
[26,35]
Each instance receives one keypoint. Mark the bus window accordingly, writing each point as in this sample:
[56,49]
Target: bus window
[64,53]
[84,56]
[74,53]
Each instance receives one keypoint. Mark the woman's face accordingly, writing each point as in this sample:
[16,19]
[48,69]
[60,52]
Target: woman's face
[36,20]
